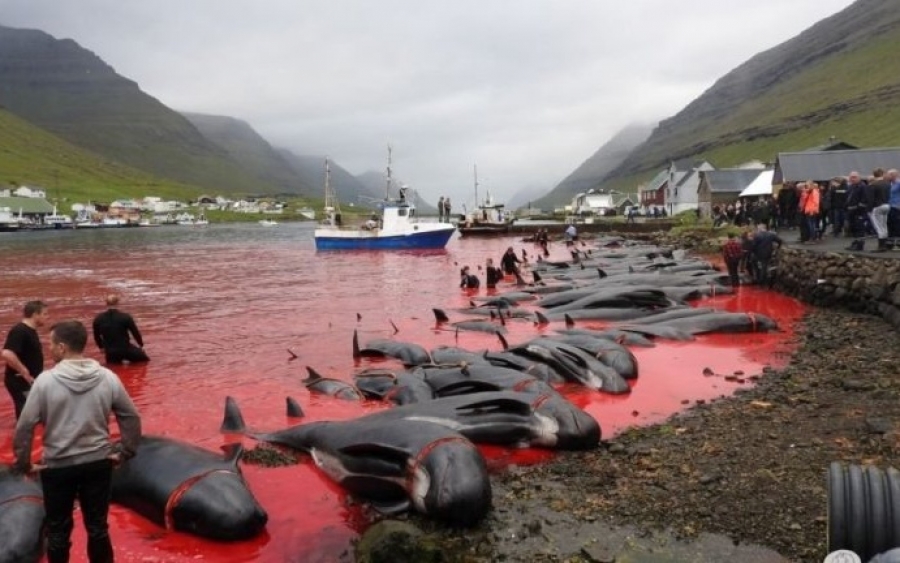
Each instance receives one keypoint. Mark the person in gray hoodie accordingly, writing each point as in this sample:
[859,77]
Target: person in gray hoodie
[73,401]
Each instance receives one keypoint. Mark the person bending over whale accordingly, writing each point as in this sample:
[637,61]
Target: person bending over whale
[111,333]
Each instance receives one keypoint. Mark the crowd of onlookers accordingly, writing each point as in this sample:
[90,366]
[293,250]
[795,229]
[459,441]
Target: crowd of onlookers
[850,206]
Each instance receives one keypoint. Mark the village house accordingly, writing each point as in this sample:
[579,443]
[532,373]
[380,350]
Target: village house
[683,183]
[593,202]
[822,166]
[721,187]
[652,195]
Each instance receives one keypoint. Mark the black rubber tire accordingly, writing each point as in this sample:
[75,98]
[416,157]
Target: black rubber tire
[863,509]
[877,525]
[837,507]
[857,503]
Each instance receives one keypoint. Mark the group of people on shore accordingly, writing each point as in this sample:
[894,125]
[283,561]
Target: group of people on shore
[72,401]
[850,206]
[752,254]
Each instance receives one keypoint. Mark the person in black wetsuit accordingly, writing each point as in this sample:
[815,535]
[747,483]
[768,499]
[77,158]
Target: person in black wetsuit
[23,353]
[468,280]
[111,333]
[492,273]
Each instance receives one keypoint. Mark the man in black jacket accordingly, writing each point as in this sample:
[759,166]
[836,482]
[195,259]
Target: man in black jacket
[111,333]
[856,211]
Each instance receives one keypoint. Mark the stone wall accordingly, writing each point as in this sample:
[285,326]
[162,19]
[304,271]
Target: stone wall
[833,279]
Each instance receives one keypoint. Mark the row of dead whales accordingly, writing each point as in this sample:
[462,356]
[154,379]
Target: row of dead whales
[421,454]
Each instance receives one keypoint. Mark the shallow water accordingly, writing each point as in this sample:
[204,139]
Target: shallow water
[219,308]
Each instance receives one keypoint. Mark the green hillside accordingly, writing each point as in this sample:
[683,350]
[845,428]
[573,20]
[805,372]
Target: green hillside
[33,157]
[67,90]
[839,79]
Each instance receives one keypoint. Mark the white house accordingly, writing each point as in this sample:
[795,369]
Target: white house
[592,203]
[683,182]
[25,191]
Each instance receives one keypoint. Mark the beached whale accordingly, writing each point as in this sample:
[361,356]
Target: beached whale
[183,487]
[21,518]
[475,378]
[490,327]
[407,352]
[332,387]
[396,464]
[398,386]
[574,364]
[721,322]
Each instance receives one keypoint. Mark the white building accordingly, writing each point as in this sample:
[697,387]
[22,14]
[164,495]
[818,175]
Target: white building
[25,191]
[683,182]
[592,203]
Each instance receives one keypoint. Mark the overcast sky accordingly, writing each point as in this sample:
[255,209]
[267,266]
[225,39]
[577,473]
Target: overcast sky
[525,89]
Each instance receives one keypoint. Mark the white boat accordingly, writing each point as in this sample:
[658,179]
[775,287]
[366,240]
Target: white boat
[394,226]
[307,213]
[188,219]
[59,221]
[268,222]
[8,221]
[488,218]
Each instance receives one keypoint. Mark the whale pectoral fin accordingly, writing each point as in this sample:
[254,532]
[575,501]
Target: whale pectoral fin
[465,388]
[381,451]
[390,508]
[512,406]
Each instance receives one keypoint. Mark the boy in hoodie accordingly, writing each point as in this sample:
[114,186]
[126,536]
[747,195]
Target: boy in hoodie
[73,401]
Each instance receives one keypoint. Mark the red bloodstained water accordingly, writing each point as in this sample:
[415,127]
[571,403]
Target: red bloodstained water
[220,307]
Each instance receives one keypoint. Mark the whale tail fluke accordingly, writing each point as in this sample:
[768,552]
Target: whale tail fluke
[233,422]
[293,408]
[396,330]
[440,316]
[293,355]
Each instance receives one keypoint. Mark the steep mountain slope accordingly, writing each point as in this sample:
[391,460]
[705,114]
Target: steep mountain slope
[840,78]
[590,174]
[67,90]
[33,157]
[253,153]
[311,171]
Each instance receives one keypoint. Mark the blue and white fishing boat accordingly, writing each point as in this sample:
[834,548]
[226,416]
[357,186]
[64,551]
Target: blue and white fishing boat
[394,226]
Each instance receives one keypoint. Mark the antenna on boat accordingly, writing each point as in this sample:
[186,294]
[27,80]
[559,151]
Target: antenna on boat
[387,194]
[476,186]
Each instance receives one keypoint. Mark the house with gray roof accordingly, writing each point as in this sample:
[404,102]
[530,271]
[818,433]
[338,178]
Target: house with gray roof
[682,184]
[822,166]
[721,187]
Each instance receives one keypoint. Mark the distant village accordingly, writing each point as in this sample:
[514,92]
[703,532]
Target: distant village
[697,186]
[684,185]
[27,208]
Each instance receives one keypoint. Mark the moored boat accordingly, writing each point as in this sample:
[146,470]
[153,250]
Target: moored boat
[394,225]
[488,217]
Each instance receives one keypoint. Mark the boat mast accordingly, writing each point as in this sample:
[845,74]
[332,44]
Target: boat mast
[332,207]
[476,186]
[387,189]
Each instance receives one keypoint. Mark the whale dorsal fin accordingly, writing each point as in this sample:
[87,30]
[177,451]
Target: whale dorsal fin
[314,376]
[233,421]
[293,408]
[440,316]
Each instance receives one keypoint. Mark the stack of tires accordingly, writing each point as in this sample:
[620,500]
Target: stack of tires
[864,511]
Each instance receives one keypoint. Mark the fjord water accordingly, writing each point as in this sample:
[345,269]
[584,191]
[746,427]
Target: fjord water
[219,308]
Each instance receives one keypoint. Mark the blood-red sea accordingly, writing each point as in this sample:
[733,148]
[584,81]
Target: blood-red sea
[220,306]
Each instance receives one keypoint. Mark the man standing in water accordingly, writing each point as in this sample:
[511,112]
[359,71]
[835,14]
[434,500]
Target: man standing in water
[23,354]
[111,333]
[73,401]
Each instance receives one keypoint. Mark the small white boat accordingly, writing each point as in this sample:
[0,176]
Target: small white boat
[188,219]
[394,226]
[59,221]
[307,213]
[488,218]
[268,222]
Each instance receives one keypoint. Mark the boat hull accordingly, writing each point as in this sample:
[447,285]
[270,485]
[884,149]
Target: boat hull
[335,239]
